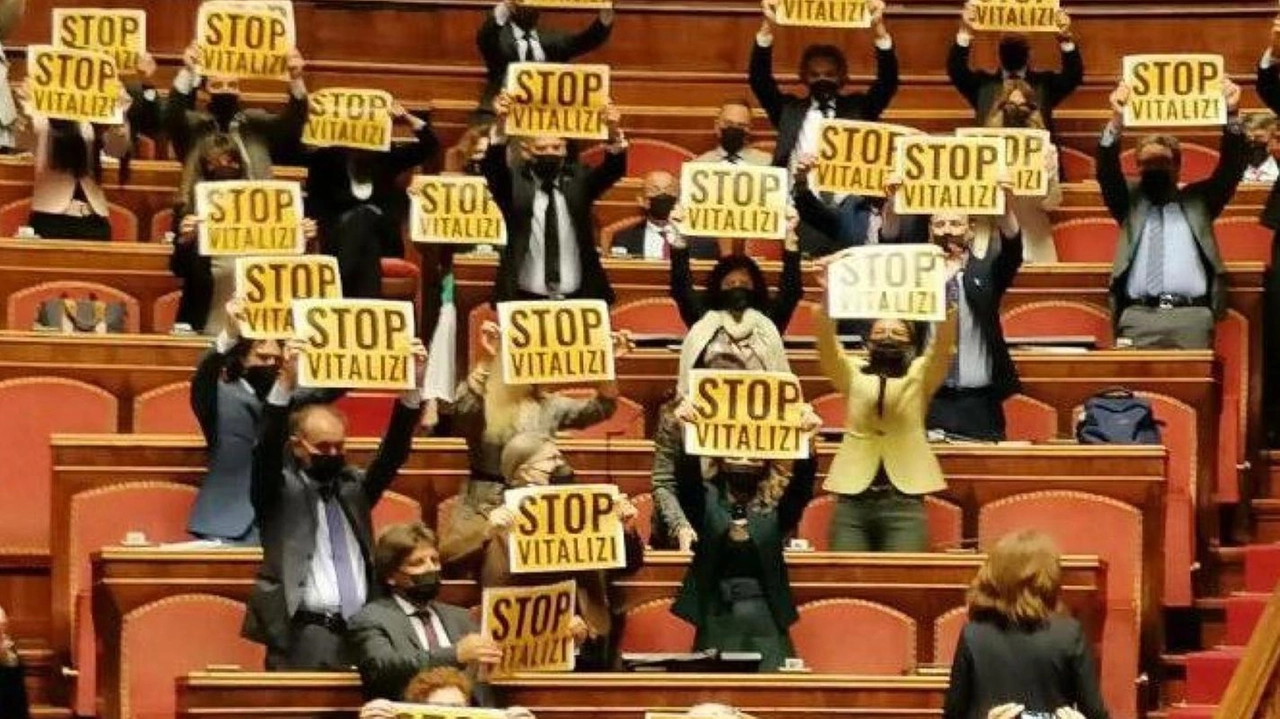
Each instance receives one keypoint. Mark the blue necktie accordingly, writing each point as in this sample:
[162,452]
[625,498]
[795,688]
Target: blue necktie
[348,590]
[953,299]
[1153,238]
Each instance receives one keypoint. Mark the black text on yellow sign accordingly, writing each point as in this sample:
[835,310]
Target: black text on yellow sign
[122,34]
[402,710]
[824,13]
[565,529]
[906,282]
[447,209]
[244,40]
[1174,90]
[950,174]
[756,415]
[733,201]
[343,117]
[269,285]
[531,624]
[557,100]
[1024,155]
[571,4]
[556,342]
[355,344]
[855,157]
[1016,15]
[78,85]
[250,217]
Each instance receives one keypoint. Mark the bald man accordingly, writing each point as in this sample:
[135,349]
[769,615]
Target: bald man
[733,132]
[649,239]
[314,514]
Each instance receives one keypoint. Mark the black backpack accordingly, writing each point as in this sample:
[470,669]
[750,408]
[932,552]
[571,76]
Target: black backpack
[1117,416]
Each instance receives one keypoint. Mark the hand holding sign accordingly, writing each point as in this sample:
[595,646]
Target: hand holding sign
[1275,37]
[290,359]
[1179,90]
[1064,27]
[1231,94]
[746,414]
[1118,99]
[533,625]
[478,649]
[627,511]
[501,520]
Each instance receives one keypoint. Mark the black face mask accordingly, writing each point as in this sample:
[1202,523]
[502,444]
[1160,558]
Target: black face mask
[1014,55]
[546,167]
[1157,184]
[326,468]
[261,378]
[733,139]
[67,149]
[951,244]
[562,474]
[660,206]
[887,358]
[1257,153]
[525,18]
[743,484]
[424,587]
[224,106]
[737,299]
[473,168]
[224,172]
[1016,115]
[823,90]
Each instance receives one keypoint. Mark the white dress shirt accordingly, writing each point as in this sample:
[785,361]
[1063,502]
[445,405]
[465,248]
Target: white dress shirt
[533,276]
[420,627]
[320,591]
[654,242]
[1267,172]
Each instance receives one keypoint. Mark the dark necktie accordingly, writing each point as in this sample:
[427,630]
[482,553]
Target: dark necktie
[551,240]
[348,592]
[424,616]
[953,300]
[732,158]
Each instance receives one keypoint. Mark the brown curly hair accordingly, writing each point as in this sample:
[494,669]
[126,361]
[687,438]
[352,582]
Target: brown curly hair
[1020,583]
[428,681]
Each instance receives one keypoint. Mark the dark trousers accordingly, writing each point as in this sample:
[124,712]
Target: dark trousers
[972,413]
[52,226]
[312,647]
[355,241]
[1271,344]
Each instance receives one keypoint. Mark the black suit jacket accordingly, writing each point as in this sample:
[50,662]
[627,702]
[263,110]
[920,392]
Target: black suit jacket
[13,693]
[986,279]
[980,88]
[514,193]
[632,238]
[787,111]
[1044,670]
[1268,86]
[284,501]
[497,44]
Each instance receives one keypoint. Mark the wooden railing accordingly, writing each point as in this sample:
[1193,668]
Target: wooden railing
[1254,691]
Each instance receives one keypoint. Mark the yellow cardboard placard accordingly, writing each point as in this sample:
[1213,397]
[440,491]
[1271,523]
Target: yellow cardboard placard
[346,117]
[905,282]
[355,344]
[557,100]
[1024,155]
[1174,90]
[855,157]
[950,174]
[565,529]
[556,341]
[824,13]
[244,40]
[531,624]
[402,710]
[1016,15]
[122,34]
[454,209]
[269,286]
[250,217]
[571,4]
[77,85]
[753,415]
[734,201]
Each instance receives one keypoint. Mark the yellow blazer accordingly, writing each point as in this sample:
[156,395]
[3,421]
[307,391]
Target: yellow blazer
[895,436]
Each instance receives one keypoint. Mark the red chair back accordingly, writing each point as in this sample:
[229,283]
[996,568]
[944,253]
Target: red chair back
[644,515]
[1231,344]
[651,315]
[24,305]
[1055,318]
[1087,239]
[651,627]
[832,409]
[946,634]
[395,508]
[763,250]
[886,638]
[644,155]
[803,323]
[444,514]
[609,231]
[164,311]
[367,412]
[1242,239]
[161,222]
[1029,420]
[165,410]
[627,421]
[1076,166]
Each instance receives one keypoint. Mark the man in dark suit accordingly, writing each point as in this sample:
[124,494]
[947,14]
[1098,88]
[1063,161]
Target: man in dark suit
[650,239]
[970,403]
[981,88]
[395,637]
[551,247]
[13,692]
[1268,86]
[1168,280]
[314,514]
[511,34]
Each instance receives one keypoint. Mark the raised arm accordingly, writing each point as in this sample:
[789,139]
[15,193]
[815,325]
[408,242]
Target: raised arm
[881,92]
[208,375]
[831,357]
[591,37]
[1268,83]
[963,78]
[1220,187]
[1111,179]
[393,451]
[1064,82]
[408,155]
[614,166]
[267,479]
[937,356]
[489,41]
[181,101]
[687,299]
[760,72]
[575,413]
[284,130]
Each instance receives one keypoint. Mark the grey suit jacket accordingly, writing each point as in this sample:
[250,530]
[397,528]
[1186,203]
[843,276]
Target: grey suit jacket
[228,413]
[387,651]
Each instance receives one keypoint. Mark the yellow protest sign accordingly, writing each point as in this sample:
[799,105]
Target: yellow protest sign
[343,117]
[557,100]
[734,201]
[122,34]
[250,217]
[906,282]
[565,529]
[755,415]
[78,85]
[244,40]
[446,209]
[855,157]
[269,286]
[531,624]
[401,710]
[950,174]
[571,4]
[555,341]
[1174,90]
[1024,156]
[824,13]
[355,344]
[1016,15]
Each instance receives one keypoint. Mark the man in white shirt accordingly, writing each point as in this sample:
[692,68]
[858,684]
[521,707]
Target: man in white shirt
[733,132]
[650,239]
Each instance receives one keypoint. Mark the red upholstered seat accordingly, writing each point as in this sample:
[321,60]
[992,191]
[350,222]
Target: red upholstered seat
[651,315]
[945,523]
[161,222]
[651,627]
[802,322]
[886,638]
[1231,344]
[946,634]
[124,224]
[1242,239]
[831,408]
[763,250]
[400,279]
[165,410]
[644,515]
[151,660]
[1029,420]
[47,405]
[367,412]
[1087,239]
[1182,443]
[164,311]
[1054,318]
[1082,523]
[627,421]
[608,232]
[23,305]
[395,508]
[144,148]
[1198,162]
[644,155]
[444,514]
[1076,166]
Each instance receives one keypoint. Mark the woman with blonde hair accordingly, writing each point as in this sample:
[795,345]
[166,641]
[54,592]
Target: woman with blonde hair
[1018,655]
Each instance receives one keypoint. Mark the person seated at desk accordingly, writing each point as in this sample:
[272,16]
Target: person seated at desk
[395,637]
[733,132]
[1263,136]
[13,688]
[314,512]
[650,239]
[475,544]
